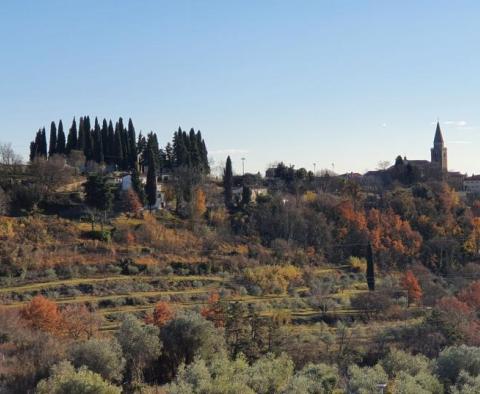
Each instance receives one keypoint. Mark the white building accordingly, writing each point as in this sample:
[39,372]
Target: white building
[471,184]
[126,184]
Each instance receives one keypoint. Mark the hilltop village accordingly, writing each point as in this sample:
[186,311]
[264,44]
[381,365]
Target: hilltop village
[125,266]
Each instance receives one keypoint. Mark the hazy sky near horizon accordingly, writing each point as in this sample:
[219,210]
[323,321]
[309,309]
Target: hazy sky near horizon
[348,83]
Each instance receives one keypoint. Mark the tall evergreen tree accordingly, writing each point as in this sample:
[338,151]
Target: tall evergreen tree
[370,268]
[179,149]
[88,137]
[33,150]
[206,164]
[72,138]
[152,143]
[60,138]
[81,135]
[228,183]
[38,147]
[169,156]
[132,145]
[188,149]
[195,159]
[111,144]
[118,147]
[97,143]
[142,152]
[203,153]
[151,186]
[42,151]
[53,140]
[137,184]
[105,139]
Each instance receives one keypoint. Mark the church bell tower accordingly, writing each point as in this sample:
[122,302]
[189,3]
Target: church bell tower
[439,151]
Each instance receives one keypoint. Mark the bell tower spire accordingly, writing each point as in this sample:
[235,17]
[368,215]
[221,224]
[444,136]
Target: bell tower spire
[439,151]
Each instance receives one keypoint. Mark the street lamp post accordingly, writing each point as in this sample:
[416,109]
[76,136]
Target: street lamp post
[243,166]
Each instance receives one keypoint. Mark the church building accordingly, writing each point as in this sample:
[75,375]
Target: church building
[411,171]
[438,157]
[439,151]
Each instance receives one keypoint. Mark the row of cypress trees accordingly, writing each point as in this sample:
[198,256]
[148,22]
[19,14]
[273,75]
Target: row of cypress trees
[105,143]
[118,145]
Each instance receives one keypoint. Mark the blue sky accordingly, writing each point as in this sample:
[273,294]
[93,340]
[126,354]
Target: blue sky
[343,82]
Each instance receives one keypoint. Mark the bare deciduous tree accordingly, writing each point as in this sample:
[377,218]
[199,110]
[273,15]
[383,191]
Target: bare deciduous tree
[10,162]
[383,165]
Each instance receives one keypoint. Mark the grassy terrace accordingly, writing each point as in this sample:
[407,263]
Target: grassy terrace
[87,281]
[115,295]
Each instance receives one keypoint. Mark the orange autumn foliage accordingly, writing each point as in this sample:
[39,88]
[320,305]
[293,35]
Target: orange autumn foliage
[214,310]
[75,321]
[350,215]
[389,233]
[161,315]
[42,314]
[411,285]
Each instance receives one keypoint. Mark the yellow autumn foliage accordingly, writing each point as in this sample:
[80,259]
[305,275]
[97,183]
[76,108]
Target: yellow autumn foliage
[273,278]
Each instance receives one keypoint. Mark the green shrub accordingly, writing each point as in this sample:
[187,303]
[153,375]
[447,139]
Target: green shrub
[98,235]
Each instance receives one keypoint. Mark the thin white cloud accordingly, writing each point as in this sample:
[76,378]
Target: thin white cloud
[384,125]
[456,123]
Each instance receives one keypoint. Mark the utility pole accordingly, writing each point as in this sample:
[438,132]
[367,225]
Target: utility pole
[243,166]
[314,168]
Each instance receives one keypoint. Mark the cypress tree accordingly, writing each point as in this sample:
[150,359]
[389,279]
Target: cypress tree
[88,138]
[188,149]
[137,184]
[370,268]
[89,145]
[141,148]
[111,144]
[132,150]
[43,144]
[97,143]
[151,186]
[206,164]
[36,146]
[179,149]
[118,147]
[72,138]
[202,153]
[60,139]
[33,149]
[194,150]
[152,144]
[228,183]
[169,156]
[104,139]
[81,135]
[53,140]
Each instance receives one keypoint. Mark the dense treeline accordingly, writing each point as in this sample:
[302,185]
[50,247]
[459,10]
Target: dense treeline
[118,145]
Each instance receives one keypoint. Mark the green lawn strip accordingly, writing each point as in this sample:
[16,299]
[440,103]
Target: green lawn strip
[90,298]
[86,281]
